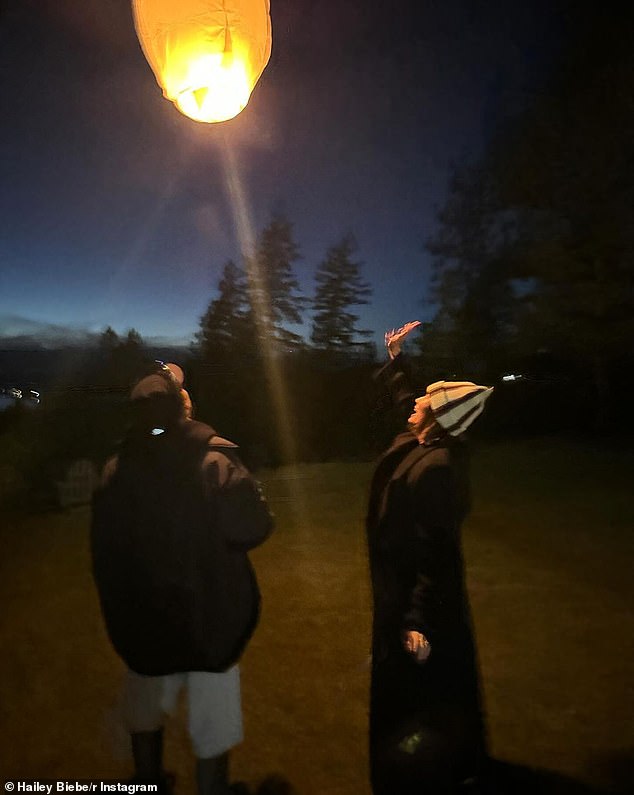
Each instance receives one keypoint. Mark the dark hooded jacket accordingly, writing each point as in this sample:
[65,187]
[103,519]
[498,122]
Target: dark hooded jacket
[171,526]
[426,723]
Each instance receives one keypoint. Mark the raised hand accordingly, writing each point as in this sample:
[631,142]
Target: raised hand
[395,337]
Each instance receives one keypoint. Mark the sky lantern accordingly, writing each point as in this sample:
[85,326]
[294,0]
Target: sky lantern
[207,55]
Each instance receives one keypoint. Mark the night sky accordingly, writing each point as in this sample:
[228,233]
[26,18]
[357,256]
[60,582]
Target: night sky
[117,210]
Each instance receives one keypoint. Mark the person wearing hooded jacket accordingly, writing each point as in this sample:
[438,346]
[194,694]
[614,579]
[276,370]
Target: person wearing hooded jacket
[172,523]
[426,723]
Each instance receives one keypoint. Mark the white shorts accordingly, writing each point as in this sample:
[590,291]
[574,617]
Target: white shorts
[214,713]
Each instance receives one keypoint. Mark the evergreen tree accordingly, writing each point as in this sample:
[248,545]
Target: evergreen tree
[132,347]
[121,361]
[471,282]
[548,210]
[273,287]
[339,287]
[226,371]
[568,170]
[108,340]
[226,326]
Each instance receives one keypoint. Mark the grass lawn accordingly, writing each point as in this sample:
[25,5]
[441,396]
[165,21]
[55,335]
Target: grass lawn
[548,549]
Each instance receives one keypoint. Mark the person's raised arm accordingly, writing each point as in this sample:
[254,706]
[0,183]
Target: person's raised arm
[395,375]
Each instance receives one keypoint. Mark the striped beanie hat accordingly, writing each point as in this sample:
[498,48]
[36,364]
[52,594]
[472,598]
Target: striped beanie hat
[456,404]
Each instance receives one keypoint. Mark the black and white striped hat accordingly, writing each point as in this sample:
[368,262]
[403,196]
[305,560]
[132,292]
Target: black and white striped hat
[456,404]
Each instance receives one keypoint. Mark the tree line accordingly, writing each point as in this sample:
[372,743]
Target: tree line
[533,250]
[247,352]
[256,377]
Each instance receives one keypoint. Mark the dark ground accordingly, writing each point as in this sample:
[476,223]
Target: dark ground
[549,551]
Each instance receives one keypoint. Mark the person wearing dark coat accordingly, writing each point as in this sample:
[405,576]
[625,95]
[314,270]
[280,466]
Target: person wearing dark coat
[427,731]
[172,523]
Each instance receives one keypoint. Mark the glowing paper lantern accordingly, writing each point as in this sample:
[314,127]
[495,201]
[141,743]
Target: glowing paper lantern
[207,55]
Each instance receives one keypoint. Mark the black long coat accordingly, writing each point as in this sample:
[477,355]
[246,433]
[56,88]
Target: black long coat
[426,726]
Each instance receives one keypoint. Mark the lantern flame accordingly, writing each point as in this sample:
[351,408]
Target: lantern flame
[218,89]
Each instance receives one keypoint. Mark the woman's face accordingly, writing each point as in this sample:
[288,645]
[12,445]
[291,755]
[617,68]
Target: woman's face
[421,413]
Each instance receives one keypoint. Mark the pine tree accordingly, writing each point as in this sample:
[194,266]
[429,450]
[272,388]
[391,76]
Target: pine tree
[133,342]
[535,242]
[471,284]
[121,361]
[108,340]
[273,286]
[569,171]
[226,325]
[339,287]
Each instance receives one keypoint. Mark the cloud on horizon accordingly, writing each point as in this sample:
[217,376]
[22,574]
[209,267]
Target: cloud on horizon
[22,332]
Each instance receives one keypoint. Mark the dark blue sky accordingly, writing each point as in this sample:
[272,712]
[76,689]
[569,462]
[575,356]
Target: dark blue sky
[116,210]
